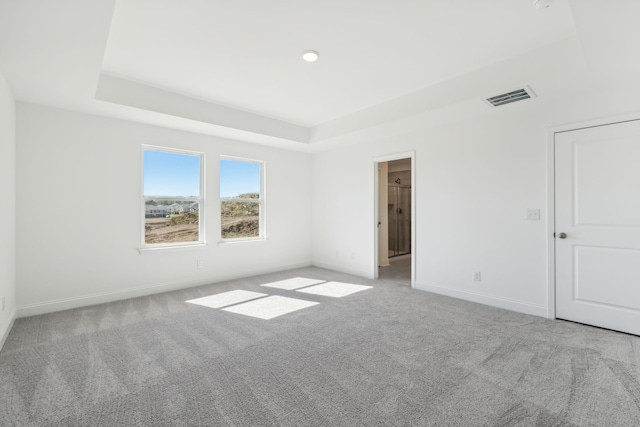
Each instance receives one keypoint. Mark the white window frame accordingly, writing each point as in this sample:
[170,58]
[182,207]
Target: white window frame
[262,211]
[201,201]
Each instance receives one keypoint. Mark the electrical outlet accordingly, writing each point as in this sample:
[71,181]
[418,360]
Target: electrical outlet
[477,276]
[4,302]
[353,255]
[337,254]
[199,263]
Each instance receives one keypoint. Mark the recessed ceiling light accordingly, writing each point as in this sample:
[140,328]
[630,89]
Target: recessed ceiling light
[541,4]
[310,56]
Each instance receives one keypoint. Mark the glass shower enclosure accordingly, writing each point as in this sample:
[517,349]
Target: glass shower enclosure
[399,220]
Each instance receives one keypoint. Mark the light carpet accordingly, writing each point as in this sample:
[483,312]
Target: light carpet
[387,356]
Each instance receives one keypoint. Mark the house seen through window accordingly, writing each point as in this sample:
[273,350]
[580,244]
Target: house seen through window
[241,198]
[172,197]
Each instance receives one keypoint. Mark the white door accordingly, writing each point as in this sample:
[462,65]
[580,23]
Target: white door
[597,180]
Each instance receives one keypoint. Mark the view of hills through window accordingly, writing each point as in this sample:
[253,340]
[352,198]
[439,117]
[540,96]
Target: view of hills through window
[172,197]
[241,198]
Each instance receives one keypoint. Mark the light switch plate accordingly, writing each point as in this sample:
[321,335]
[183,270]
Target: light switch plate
[533,214]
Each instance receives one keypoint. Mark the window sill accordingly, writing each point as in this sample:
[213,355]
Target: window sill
[171,248]
[247,240]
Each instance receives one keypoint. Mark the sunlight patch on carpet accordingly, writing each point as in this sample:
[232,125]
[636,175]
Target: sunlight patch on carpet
[226,298]
[295,283]
[270,307]
[334,289]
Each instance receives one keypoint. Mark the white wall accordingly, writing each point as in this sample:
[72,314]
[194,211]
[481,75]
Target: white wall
[474,181]
[79,212]
[8,211]
[78,205]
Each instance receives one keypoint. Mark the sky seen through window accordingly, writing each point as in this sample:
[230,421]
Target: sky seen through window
[168,174]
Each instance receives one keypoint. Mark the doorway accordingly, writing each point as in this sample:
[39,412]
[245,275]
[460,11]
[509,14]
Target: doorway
[394,214]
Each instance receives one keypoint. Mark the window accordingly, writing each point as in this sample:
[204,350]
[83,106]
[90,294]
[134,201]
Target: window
[172,197]
[241,198]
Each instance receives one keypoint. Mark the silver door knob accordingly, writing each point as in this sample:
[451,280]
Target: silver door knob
[562,235]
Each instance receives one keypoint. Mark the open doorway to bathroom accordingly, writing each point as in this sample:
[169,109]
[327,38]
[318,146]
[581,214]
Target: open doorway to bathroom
[395,220]
[399,207]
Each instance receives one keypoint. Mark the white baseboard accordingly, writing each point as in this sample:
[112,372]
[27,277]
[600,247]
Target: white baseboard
[342,269]
[493,301]
[104,297]
[4,332]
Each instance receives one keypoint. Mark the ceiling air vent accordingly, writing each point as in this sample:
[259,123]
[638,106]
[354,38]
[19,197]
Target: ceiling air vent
[510,97]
